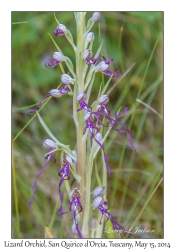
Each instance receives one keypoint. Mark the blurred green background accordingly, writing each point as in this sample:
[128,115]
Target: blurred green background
[135,188]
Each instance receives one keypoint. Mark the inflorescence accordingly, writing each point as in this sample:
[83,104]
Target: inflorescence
[94,117]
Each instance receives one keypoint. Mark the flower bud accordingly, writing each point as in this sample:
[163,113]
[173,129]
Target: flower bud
[87,53]
[74,152]
[90,37]
[56,92]
[99,191]
[93,224]
[88,116]
[97,202]
[104,99]
[69,159]
[66,159]
[98,107]
[60,30]
[81,96]
[66,79]
[98,136]
[101,66]
[49,144]
[58,56]
[74,229]
[96,16]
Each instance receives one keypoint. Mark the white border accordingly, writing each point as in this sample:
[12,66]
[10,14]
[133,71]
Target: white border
[169,93]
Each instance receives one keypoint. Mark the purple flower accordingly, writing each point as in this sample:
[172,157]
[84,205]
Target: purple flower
[103,68]
[57,58]
[38,106]
[103,206]
[77,208]
[103,100]
[103,209]
[114,73]
[92,60]
[88,118]
[49,144]
[113,122]
[64,173]
[81,97]
[55,93]
[107,61]
[60,30]
[51,63]
[64,89]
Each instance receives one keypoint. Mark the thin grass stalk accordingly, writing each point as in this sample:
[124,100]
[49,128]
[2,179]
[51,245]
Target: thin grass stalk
[15,195]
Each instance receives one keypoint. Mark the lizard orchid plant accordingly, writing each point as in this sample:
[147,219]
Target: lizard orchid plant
[90,120]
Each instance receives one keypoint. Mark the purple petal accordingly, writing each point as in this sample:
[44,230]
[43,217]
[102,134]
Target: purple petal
[84,105]
[116,73]
[78,231]
[76,223]
[58,32]
[60,211]
[64,173]
[101,146]
[117,226]
[30,111]
[92,60]
[107,61]
[64,88]
[38,106]
[50,63]
[34,187]
[122,113]
[130,139]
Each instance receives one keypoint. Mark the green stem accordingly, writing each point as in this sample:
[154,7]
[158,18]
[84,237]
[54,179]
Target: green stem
[85,229]
[81,145]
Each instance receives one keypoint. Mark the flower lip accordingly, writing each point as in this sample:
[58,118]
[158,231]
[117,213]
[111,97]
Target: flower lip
[104,99]
[49,144]
[81,96]
[58,56]
[95,16]
[98,201]
[99,191]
